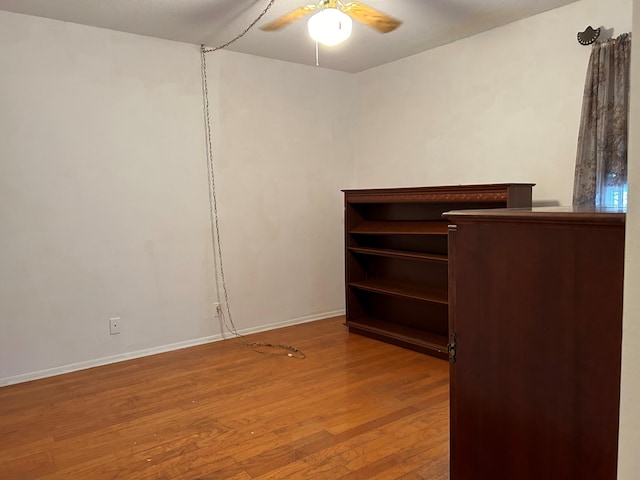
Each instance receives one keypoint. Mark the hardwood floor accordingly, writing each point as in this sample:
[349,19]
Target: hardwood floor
[355,408]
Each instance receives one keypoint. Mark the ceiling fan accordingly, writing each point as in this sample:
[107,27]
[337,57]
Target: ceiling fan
[332,22]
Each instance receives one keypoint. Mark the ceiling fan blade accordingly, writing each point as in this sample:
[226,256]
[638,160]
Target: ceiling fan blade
[287,18]
[370,16]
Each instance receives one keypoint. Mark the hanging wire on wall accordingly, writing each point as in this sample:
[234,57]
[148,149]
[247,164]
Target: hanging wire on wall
[218,264]
[243,33]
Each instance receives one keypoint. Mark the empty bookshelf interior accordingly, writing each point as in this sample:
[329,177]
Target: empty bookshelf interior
[397,260]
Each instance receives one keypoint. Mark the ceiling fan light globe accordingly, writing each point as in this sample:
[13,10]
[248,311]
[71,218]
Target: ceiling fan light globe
[330,26]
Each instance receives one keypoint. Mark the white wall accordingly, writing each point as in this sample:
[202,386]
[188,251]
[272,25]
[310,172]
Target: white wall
[104,193]
[103,197]
[629,460]
[283,151]
[502,106]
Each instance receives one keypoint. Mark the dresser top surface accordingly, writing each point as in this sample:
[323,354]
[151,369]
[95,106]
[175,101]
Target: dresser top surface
[566,214]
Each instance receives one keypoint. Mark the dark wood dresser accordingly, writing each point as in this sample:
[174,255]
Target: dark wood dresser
[535,301]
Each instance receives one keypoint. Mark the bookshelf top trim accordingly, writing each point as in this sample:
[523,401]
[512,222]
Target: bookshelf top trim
[496,192]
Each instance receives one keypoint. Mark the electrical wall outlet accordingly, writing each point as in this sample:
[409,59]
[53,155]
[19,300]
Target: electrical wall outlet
[114,325]
[218,308]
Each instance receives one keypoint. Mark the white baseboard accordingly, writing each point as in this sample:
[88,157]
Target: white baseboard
[287,323]
[72,367]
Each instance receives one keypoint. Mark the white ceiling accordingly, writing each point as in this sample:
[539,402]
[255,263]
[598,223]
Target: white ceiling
[426,24]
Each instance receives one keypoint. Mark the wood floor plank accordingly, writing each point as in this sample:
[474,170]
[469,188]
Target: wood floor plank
[354,408]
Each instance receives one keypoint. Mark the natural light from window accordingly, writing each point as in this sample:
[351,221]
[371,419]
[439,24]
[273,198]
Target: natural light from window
[615,196]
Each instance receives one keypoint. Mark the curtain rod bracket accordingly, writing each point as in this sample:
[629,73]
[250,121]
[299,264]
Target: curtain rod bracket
[589,36]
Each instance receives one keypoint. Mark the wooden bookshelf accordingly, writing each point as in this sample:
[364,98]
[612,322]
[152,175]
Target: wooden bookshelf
[396,252]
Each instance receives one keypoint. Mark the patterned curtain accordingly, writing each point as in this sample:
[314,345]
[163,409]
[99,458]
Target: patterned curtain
[601,161]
